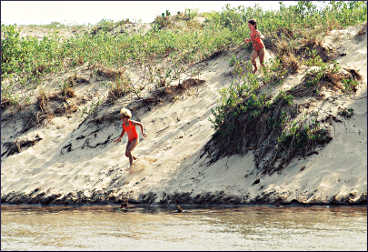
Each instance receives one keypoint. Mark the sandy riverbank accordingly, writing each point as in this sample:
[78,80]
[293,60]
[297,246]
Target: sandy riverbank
[76,162]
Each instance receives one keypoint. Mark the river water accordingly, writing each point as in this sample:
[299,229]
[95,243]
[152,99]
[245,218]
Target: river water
[243,228]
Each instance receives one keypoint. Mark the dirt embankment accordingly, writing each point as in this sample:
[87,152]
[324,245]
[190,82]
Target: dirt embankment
[59,149]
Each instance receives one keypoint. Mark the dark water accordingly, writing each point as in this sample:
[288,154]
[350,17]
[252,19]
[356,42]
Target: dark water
[245,228]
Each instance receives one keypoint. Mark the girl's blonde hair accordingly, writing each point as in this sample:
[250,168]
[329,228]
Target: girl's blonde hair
[126,112]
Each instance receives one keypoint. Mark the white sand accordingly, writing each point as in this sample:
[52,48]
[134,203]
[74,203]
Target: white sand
[169,156]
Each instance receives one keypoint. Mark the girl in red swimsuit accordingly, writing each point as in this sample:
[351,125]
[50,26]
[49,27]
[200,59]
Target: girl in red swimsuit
[258,46]
[129,127]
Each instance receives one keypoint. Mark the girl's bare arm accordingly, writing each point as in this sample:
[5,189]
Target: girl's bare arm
[121,135]
[261,35]
[141,126]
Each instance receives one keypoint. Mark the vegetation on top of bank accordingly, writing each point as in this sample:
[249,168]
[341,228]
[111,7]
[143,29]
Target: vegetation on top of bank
[26,60]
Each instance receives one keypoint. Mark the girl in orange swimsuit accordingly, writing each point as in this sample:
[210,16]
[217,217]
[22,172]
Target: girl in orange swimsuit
[258,46]
[129,127]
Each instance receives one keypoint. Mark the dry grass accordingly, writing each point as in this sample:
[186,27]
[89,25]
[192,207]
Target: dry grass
[68,92]
[55,104]
[286,53]
[109,73]
[120,88]
[194,24]
[42,100]
[312,85]
[282,47]
[80,60]
[170,93]
[45,113]
[333,24]
[279,41]
[70,108]
[290,62]
[76,79]
[310,42]
[285,32]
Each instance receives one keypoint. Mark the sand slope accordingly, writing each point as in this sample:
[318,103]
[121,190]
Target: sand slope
[77,162]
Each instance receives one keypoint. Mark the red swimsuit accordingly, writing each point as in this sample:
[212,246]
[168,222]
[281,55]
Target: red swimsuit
[256,40]
[130,130]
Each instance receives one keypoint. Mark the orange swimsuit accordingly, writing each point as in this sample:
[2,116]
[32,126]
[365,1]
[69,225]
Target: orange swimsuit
[256,40]
[130,130]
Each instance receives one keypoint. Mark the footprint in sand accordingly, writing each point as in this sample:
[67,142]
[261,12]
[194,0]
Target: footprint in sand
[138,167]
[141,163]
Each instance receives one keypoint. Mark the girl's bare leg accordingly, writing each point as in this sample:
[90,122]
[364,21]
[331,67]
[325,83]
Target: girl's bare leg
[253,58]
[261,54]
[129,148]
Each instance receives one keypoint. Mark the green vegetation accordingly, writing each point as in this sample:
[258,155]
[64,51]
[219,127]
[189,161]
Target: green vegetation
[346,112]
[247,119]
[29,58]
[301,139]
